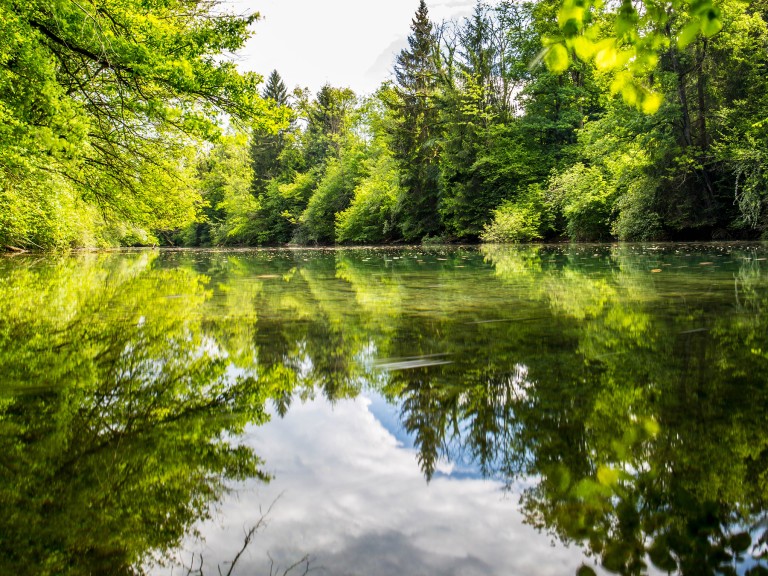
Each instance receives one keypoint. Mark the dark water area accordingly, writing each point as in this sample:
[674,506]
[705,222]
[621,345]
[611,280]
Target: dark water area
[493,410]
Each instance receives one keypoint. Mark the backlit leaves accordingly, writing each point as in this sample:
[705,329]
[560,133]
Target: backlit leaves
[639,36]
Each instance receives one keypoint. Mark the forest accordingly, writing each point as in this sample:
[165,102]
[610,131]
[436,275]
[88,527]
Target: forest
[126,123]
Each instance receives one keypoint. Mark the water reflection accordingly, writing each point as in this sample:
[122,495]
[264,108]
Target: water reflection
[624,387]
[115,412]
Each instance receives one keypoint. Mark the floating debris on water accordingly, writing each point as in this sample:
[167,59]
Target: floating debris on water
[695,331]
[411,362]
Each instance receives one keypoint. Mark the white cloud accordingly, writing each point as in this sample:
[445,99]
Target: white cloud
[342,42]
[353,497]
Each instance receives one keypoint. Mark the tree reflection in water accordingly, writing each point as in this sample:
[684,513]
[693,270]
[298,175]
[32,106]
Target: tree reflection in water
[634,403]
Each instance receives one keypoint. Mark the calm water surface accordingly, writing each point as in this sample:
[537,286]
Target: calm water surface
[500,410]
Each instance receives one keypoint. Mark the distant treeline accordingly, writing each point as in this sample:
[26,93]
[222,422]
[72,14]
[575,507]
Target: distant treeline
[473,140]
[522,122]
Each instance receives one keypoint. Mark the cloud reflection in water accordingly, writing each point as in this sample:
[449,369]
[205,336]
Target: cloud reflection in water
[351,495]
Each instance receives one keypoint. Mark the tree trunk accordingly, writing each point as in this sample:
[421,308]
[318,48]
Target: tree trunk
[701,52]
[681,93]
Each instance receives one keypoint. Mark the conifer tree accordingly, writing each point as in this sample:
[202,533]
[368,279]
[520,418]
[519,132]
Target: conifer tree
[267,146]
[275,89]
[415,129]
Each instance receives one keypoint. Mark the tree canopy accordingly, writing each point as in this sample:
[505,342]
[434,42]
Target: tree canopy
[521,122]
[103,100]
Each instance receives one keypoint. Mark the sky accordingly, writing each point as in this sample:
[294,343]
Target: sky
[348,492]
[347,43]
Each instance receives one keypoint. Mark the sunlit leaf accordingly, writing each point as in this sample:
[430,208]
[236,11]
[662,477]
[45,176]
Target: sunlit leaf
[606,58]
[583,47]
[570,13]
[651,426]
[688,33]
[711,24]
[557,59]
[607,476]
[630,94]
[650,105]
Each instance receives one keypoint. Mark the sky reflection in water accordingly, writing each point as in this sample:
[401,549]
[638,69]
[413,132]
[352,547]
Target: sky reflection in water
[351,495]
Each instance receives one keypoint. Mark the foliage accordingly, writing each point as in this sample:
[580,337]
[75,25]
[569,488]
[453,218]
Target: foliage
[230,179]
[522,220]
[111,125]
[267,146]
[369,218]
[415,131]
[585,200]
[105,101]
[333,195]
[641,32]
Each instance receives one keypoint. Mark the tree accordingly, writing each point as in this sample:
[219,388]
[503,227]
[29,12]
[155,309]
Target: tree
[329,117]
[467,111]
[641,33]
[266,144]
[102,99]
[415,129]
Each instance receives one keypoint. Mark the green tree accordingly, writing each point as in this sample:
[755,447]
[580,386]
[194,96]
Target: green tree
[370,217]
[415,129]
[267,146]
[329,118]
[467,112]
[103,100]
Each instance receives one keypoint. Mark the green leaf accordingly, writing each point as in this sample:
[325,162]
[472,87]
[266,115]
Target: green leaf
[607,476]
[583,47]
[711,24]
[606,58]
[585,570]
[661,557]
[688,33]
[557,59]
[615,556]
[650,105]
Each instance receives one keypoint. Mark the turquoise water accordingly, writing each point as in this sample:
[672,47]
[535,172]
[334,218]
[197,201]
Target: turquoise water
[385,411]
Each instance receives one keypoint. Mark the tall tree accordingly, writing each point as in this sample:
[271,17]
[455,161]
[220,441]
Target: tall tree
[415,128]
[473,105]
[275,89]
[328,118]
[102,95]
[267,145]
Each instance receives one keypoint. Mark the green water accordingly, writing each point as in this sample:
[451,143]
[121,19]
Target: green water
[618,394]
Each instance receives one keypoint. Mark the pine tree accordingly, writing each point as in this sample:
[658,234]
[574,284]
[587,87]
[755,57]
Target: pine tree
[266,147]
[415,129]
[275,90]
[467,112]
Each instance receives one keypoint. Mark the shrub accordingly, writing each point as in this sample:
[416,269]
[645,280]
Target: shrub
[637,220]
[586,201]
[522,220]
[369,218]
